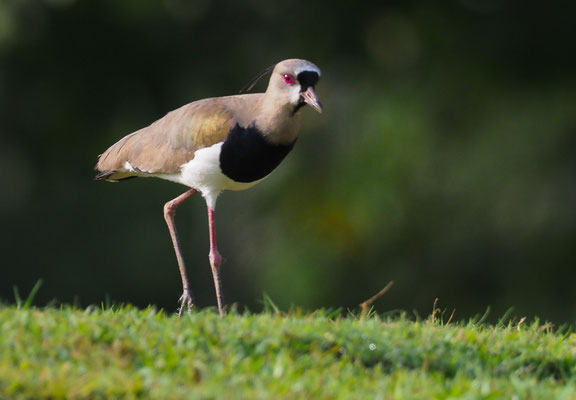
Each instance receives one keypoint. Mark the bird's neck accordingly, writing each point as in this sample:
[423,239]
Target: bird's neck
[277,120]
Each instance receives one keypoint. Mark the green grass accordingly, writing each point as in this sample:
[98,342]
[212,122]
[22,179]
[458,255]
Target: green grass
[125,352]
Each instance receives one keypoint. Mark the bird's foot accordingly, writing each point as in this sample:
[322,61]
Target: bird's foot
[186,302]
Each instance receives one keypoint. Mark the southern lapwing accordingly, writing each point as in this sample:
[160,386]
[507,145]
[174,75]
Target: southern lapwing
[215,144]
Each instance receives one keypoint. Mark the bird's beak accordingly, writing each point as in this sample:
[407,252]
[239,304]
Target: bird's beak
[310,98]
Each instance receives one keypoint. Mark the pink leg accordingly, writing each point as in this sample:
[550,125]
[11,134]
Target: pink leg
[187,299]
[215,260]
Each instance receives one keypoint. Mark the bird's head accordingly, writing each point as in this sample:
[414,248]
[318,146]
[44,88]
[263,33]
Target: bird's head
[294,80]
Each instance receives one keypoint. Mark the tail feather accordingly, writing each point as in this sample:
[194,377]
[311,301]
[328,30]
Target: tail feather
[114,176]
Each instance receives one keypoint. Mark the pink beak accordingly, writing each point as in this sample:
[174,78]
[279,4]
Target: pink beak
[310,98]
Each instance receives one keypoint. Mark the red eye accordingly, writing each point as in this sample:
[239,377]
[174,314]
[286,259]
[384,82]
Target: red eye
[288,79]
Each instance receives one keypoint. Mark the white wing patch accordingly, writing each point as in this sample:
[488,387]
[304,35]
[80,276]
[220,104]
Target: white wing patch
[130,168]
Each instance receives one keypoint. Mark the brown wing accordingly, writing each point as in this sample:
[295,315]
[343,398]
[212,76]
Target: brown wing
[169,142]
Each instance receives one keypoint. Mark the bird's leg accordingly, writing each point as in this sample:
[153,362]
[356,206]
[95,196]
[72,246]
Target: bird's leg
[187,299]
[215,260]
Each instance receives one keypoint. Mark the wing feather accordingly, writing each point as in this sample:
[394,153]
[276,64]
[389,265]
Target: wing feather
[170,142]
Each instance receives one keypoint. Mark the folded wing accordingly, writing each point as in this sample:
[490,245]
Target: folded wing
[168,143]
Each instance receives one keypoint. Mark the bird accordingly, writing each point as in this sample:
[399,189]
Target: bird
[215,144]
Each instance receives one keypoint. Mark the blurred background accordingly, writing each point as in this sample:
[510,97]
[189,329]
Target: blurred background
[445,159]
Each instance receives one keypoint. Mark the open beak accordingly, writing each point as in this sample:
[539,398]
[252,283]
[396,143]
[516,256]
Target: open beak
[310,98]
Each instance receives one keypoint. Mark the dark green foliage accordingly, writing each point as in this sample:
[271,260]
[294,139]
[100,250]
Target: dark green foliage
[444,159]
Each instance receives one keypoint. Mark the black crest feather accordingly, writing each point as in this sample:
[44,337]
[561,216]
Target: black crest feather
[248,86]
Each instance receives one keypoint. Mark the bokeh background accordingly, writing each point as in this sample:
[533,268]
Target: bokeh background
[445,159]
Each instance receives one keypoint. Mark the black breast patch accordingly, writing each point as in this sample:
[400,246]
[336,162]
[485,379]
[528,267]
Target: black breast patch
[246,156]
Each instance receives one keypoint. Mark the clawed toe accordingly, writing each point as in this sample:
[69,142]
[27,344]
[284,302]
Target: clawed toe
[186,302]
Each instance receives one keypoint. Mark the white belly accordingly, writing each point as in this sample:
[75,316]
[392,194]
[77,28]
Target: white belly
[203,173]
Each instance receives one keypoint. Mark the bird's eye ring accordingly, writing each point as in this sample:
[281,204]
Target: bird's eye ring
[288,79]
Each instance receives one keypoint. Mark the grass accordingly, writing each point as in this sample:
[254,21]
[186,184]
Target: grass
[124,352]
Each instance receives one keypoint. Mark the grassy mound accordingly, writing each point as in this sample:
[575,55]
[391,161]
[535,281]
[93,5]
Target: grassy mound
[125,352]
